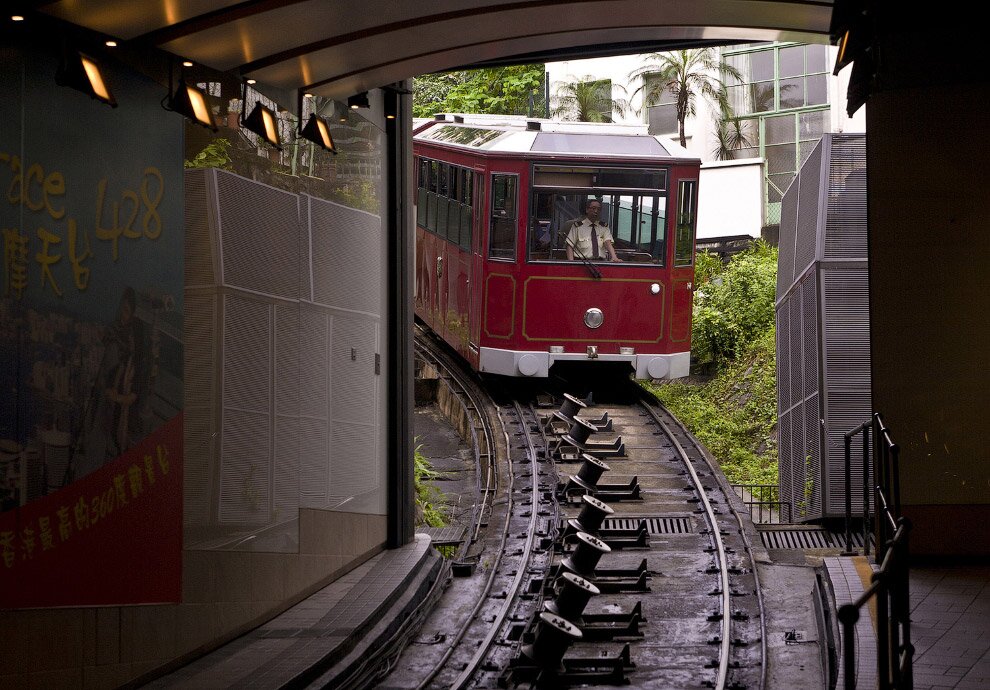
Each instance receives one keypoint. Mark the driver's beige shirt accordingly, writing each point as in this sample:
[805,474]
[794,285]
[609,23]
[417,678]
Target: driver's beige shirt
[579,237]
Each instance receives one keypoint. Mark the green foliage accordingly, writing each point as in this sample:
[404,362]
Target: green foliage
[735,414]
[358,194]
[428,497]
[686,75]
[587,100]
[733,305]
[512,90]
[214,155]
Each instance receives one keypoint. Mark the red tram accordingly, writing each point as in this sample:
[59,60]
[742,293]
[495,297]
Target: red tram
[496,199]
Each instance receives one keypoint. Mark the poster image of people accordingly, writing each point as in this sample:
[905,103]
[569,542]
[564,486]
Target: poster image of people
[91,295]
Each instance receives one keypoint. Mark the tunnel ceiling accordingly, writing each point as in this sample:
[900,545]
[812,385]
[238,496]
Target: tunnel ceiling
[339,47]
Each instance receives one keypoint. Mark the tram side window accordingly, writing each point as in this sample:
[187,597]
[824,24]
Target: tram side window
[684,231]
[431,211]
[503,217]
[466,207]
[421,191]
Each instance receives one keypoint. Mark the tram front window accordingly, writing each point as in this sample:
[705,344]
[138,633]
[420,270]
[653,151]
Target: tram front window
[636,222]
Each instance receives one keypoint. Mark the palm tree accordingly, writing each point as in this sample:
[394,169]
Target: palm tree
[587,100]
[686,75]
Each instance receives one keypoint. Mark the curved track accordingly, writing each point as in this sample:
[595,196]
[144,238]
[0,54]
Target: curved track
[678,604]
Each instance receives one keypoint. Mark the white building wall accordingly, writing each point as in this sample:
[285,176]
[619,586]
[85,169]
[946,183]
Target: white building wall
[729,198]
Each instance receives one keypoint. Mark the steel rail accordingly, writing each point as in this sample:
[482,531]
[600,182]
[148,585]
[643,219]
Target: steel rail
[451,370]
[749,548]
[723,563]
[510,599]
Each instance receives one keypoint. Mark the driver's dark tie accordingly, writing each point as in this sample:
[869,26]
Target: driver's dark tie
[594,242]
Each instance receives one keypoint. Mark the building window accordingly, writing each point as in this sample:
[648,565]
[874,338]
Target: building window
[782,102]
[662,117]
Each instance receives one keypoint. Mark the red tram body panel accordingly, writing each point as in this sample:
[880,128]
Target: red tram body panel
[497,200]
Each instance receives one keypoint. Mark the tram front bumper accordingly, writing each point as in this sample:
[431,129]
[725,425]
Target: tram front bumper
[536,364]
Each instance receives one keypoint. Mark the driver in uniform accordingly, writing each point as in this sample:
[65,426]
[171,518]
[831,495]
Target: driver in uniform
[589,237]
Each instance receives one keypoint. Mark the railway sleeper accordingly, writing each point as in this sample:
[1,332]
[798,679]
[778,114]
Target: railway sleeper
[616,538]
[573,490]
[572,671]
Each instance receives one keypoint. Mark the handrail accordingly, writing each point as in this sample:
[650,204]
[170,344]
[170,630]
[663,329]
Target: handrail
[890,583]
[848,437]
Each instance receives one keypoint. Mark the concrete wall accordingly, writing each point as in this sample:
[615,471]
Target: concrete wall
[929,242]
[224,594]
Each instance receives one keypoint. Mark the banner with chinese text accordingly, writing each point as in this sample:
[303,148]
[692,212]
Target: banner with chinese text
[91,352]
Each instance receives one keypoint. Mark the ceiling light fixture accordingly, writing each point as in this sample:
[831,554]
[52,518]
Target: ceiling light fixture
[359,100]
[316,130]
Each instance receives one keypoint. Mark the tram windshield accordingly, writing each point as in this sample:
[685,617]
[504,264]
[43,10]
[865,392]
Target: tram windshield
[633,208]
[636,224]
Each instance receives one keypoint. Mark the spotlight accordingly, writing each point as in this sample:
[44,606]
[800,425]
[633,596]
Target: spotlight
[82,72]
[110,44]
[252,81]
[317,131]
[190,102]
[187,63]
[17,18]
[261,121]
[359,100]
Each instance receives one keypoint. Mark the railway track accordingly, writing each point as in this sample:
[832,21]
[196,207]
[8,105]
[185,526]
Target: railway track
[603,551]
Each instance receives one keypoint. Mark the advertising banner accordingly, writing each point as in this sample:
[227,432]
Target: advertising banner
[91,286]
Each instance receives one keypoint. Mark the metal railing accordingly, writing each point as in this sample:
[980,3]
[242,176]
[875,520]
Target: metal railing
[765,508]
[889,585]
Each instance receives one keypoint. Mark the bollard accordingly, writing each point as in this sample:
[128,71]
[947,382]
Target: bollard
[550,641]
[584,558]
[591,517]
[573,596]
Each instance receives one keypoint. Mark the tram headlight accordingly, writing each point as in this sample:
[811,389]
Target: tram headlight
[655,289]
[593,318]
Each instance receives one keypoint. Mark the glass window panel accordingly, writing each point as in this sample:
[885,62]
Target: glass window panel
[806,147]
[453,221]
[468,180]
[817,90]
[684,230]
[816,57]
[781,158]
[503,217]
[424,173]
[431,211]
[421,208]
[625,218]
[466,229]
[791,61]
[777,185]
[442,188]
[662,119]
[453,189]
[812,125]
[791,93]
[761,65]
[434,175]
[762,95]
[748,152]
[780,129]
[442,203]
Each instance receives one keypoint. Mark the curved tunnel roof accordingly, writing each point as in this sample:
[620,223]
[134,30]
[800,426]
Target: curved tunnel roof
[336,49]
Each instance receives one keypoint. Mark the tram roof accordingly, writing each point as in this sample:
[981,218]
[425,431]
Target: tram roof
[519,134]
